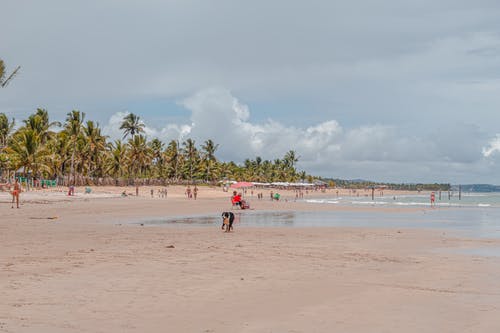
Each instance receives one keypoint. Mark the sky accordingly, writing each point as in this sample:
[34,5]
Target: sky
[389,90]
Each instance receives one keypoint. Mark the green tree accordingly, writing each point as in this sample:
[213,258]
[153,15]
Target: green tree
[73,126]
[94,148]
[27,151]
[6,127]
[139,155]
[209,148]
[3,79]
[191,156]
[39,122]
[131,125]
[117,159]
[158,158]
[173,158]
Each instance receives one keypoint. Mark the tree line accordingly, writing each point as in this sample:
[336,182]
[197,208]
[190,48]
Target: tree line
[363,184]
[76,152]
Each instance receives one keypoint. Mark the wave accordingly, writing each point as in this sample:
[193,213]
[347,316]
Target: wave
[403,202]
[369,202]
[322,201]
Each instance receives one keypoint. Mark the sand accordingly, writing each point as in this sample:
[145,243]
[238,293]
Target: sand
[77,264]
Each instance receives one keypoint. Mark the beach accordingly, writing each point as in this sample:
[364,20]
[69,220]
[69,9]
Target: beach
[89,263]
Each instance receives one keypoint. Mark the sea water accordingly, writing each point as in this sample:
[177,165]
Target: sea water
[452,199]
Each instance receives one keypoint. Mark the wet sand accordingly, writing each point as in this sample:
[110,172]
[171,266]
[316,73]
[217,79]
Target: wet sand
[77,265]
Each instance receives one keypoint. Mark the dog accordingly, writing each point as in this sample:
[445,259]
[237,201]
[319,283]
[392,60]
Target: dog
[227,221]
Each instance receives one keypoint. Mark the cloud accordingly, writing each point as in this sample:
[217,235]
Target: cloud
[326,148]
[349,89]
[493,147]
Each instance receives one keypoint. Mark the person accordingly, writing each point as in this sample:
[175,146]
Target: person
[195,192]
[136,190]
[71,190]
[227,221]
[15,193]
[236,199]
[152,193]
[188,192]
[433,199]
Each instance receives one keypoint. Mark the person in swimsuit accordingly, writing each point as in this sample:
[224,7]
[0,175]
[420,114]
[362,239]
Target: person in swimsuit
[15,193]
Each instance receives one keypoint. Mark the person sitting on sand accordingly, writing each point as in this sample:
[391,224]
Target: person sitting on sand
[236,199]
[15,193]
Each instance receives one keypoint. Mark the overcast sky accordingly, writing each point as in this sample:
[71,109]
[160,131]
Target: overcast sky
[390,90]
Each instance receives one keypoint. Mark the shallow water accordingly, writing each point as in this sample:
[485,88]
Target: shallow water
[481,200]
[480,252]
[474,222]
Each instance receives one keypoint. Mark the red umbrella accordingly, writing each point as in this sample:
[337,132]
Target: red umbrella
[241,184]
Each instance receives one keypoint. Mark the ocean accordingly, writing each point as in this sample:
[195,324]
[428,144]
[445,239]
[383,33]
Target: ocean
[416,200]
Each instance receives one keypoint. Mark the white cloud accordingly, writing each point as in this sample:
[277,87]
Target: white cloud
[493,147]
[112,128]
[326,148]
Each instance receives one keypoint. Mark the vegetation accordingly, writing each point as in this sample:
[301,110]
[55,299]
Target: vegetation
[362,184]
[4,79]
[76,152]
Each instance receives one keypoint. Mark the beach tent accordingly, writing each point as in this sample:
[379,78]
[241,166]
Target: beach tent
[241,185]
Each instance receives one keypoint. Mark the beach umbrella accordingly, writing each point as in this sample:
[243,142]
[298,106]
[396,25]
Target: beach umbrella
[241,185]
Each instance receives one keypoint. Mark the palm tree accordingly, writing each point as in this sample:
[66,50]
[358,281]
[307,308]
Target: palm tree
[191,154]
[27,151]
[156,147]
[39,122]
[290,159]
[139,155]
[172,155]
[4,81]
[73,126]
[132,125]
[5,129]
[302,175]
[80,150]
[209,149]
[95,146]
[117,159]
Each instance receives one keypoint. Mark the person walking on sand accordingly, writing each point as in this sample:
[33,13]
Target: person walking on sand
[15,193]
[195,192]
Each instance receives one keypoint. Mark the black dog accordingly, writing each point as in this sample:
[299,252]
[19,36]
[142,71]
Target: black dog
[227,219]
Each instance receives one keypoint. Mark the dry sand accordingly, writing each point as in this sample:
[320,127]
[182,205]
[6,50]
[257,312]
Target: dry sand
[75,264]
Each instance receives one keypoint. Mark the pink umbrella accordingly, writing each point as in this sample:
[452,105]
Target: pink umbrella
[241,184]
